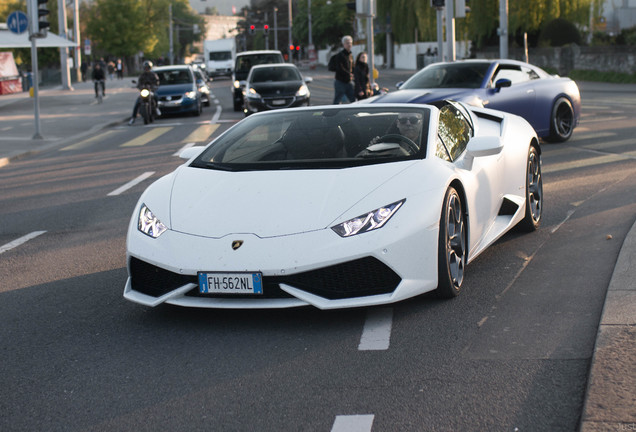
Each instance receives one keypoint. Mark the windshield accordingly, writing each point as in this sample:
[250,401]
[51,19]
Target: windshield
[245,63]
[449,75]
[221,56]
[320,138]
[275,74]
[174,76]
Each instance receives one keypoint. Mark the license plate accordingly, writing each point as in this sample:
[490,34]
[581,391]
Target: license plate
[231,283]
[278,102]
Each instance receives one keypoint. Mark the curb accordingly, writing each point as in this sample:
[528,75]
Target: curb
[610,396]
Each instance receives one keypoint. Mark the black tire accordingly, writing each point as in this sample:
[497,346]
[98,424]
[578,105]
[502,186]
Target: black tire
[561,121]
[145,113]
[452,246]
[534,192]
[199,109]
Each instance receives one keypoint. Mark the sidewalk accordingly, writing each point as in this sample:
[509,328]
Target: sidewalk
[610,400]
[65,115]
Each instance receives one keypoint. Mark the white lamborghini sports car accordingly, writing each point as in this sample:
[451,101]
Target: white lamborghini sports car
[335,207]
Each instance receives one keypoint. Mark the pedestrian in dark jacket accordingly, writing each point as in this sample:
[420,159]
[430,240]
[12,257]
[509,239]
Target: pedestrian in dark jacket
[361,77]
[343,82]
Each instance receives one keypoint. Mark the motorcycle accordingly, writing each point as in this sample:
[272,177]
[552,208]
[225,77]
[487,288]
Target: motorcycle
[147,105]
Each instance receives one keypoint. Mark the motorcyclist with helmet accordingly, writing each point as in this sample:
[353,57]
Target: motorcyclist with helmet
[149,80]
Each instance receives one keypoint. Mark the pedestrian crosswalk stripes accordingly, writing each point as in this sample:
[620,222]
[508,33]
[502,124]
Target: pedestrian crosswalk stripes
[87,142]
[147,137]
[201,134]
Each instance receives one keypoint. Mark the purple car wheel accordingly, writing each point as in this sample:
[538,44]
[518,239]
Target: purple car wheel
[561,121]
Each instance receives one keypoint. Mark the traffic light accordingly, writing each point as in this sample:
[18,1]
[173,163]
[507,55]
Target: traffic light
[297,47]
[291,48]
[266,29]
[38,16]
[252,29]
[43,13]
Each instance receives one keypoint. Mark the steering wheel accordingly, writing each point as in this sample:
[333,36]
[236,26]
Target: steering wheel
[401,139]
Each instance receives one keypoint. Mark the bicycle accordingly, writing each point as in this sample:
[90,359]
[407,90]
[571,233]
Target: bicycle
[100,95]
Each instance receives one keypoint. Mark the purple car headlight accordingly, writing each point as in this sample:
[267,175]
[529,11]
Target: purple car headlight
[368,222]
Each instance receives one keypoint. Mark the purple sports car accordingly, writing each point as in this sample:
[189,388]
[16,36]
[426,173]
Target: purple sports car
[551,104]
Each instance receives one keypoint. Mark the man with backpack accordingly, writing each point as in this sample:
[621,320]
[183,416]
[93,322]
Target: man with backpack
[342,65]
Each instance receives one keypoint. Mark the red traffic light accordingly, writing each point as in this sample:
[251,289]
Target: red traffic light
[297,47]
[291,47]
[266,27]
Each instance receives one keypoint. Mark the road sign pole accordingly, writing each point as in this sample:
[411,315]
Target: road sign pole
[36,100]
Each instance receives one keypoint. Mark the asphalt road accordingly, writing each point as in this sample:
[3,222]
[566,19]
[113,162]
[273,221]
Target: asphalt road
[511,353]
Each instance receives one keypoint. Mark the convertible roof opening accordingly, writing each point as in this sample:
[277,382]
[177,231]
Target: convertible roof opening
[321,137]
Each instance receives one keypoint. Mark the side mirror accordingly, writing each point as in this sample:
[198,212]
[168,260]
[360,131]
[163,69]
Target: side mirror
[309,80]
[134,81]
[398,85]
[501,83]
[191,152]
[484,146]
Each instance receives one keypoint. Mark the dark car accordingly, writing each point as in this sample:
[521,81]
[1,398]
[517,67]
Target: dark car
[275,86]
[202,85]
[242,65]
[178,92]
[551,104]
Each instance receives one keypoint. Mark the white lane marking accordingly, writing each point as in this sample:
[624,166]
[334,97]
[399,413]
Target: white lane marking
[131,183]
[21,240]
[217,114]
[187,146]
[377,330]
[353,423]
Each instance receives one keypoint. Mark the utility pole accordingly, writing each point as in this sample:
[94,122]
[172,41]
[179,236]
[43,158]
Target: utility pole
[503,29]
[170,34]
[266,33]
[291,42]
[78,41]
[64,69]
[450,29]
[275,29]
[440,33]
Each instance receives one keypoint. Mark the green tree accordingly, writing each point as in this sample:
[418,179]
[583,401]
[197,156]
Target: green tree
[330,21]
[119,27]
[123,28]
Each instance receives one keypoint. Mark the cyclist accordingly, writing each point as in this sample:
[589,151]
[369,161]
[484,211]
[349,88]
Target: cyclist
[99,78]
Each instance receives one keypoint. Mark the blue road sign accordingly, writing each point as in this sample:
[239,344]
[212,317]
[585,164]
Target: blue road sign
[18,22]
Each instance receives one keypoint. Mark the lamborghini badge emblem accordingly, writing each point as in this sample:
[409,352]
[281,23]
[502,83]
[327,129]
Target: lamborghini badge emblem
[237,244]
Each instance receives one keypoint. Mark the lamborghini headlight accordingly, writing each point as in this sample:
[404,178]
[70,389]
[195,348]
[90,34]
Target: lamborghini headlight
[367,222]
[149,224]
